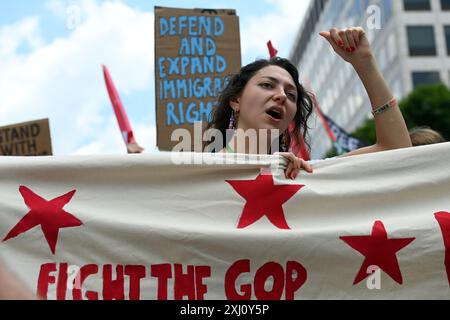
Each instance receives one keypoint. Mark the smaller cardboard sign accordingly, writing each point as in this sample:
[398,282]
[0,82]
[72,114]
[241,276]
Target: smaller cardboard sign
[26,139]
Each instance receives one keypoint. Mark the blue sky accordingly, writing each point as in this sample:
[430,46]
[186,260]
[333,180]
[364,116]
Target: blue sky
[51,62]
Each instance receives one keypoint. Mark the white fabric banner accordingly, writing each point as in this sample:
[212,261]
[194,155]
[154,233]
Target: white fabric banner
[148,227]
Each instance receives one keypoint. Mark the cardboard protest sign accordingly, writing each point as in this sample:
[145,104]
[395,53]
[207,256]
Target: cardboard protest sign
[196,50]
[26,139]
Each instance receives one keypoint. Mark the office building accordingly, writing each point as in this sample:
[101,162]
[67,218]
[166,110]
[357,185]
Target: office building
[410,40]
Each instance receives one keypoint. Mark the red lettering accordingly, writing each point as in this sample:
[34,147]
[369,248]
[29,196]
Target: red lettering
[443,219]
[201,272]
[184,283]
[287,283]
[292,285]
[163,272]
[232,274]
[61,286]
[45,279]
[136,273]
[85,272]
[113,289]
[270,269]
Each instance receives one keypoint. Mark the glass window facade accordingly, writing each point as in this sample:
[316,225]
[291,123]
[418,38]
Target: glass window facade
[421,41]
[416,5]
[447,38]
[445,4]
[423,78]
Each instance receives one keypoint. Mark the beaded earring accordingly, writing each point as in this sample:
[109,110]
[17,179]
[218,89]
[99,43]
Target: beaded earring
[232,124]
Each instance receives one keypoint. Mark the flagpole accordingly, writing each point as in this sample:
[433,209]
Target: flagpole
[121,116]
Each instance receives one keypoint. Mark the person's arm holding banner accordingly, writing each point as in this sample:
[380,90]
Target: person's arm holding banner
[11,288]
[353,46]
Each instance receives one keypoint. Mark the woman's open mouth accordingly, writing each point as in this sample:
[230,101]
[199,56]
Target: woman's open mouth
[275,114]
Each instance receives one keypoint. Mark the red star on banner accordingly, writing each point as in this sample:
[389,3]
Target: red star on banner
[443,219]
[263,199]
[379,251]
[49,214]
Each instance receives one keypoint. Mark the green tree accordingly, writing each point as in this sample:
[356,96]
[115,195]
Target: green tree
[426,106]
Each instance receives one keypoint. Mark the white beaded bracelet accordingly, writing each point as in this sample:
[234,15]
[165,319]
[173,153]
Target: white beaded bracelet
[383,108]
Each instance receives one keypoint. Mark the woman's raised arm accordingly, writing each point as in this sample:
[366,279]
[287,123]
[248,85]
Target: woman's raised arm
[353,46]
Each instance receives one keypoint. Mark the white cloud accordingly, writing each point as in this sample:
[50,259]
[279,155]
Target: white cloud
[57,7]
[105,141]
[280,26]
[63,79]
[146,137]
[25,32]
[110,140]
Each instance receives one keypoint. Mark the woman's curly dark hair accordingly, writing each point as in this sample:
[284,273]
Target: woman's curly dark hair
[221,114]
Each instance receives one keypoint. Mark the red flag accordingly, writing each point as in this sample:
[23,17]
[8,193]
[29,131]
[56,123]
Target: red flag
[122,119]
[319,112]
[272,51]
[322,117]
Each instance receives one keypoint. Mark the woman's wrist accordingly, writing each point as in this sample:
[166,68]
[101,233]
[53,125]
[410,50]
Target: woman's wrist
[373,81]
[365,63]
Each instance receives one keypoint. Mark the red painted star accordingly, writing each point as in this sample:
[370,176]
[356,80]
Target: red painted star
[443,219]
[379,251]
[263,199]
[49,214]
